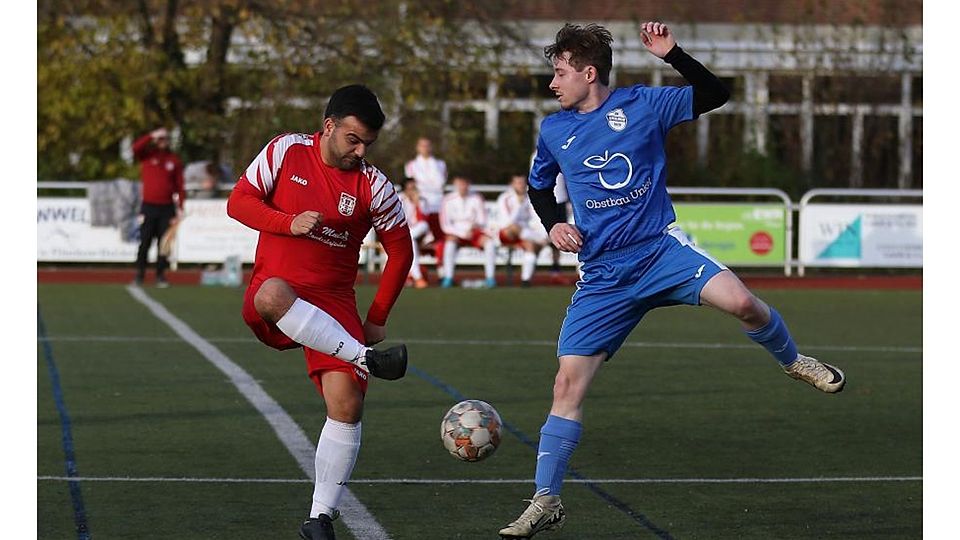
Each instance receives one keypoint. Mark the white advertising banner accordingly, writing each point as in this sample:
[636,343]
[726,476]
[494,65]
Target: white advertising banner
[858,235]
[208,234]
[64,234]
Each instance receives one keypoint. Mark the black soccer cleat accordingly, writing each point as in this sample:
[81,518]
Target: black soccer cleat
[318,528]
[389,364]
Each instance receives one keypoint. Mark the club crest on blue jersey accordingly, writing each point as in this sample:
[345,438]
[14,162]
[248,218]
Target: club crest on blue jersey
[347,204]
[617,119]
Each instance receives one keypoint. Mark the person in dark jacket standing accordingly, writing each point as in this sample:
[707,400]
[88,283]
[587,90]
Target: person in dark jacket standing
[163,196]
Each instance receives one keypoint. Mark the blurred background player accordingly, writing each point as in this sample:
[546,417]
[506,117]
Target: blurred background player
[314,198]
[163,196]
[419,228]
[463,218]
[430,174]
[518,228]
[609,145]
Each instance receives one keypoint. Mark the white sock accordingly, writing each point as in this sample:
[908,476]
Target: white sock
[312,327]
[449,258]
[528,265]
[490,259]
[336,455]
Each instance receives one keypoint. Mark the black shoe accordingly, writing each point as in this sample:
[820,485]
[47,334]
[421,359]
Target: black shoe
[525,284]
[318,528]
[389,364]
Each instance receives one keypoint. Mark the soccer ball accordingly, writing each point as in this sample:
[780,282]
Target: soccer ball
[471,430]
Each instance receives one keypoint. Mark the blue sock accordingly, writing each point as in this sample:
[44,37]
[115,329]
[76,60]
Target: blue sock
[776,338]
[558,439]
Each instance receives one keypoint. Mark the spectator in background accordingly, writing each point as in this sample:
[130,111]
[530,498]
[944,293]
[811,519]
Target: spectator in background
[163,196]
[430,174]
[203,179]
[463,218]
[518,228]
[563,202]
[419,228]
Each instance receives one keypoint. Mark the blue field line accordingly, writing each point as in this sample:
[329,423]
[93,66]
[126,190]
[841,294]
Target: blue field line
[79,513]
[527,440]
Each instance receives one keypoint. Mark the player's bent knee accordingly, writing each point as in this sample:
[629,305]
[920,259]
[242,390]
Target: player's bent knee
[346,409]
[273,299]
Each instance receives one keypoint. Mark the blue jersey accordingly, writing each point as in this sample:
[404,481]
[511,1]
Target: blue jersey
[615,164]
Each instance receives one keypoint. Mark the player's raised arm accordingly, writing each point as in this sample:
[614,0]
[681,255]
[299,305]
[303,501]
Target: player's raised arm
[247,204]
[708,92]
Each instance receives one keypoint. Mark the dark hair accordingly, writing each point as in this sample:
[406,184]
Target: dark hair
[588,46]
[407,181]
[356,100]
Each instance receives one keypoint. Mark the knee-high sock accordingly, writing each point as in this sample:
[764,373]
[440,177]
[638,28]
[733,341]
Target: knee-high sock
[314,328]
[336,456]
[775,337]
[558,439]
[449,258]
[527,266]
[489,259]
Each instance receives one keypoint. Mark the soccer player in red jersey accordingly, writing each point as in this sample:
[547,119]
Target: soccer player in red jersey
[314,198]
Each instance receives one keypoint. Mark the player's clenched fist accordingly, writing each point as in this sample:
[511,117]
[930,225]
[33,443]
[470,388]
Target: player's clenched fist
[305,222]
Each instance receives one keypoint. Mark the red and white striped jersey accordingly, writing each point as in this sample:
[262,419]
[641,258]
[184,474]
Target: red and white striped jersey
[513,209]
[288,178]
[459,216]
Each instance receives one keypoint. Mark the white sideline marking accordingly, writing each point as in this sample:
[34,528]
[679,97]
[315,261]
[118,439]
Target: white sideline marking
[507,342]
[355,515]
[434,481]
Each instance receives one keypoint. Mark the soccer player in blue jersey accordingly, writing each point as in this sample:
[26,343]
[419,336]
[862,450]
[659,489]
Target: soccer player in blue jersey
[609,145]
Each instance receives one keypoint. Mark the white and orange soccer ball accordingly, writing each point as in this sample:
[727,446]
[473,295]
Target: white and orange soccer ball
[471,430]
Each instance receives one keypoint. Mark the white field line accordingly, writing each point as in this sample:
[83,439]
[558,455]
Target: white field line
[436,481]
[355,515]
[508,342]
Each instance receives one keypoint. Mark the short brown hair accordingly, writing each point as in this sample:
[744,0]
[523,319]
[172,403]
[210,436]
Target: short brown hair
[588,46]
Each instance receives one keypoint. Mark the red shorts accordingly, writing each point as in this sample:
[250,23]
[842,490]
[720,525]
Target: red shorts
[508,242]
[475,240]
[343,308]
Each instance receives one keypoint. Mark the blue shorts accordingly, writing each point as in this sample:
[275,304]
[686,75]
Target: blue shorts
[619,287]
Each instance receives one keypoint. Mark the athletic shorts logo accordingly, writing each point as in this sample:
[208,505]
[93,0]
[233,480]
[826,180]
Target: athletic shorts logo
[347,204]
[617,120]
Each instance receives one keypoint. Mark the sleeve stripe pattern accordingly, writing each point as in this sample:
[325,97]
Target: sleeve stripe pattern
[264,168]
[385,208]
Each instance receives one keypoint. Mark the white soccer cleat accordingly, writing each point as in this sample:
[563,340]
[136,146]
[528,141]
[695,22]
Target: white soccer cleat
[822,376]
[545,513]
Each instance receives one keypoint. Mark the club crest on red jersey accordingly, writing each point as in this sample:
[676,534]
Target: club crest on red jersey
[347,204]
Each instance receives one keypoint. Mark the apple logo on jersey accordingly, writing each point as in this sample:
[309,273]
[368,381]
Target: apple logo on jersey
[604,162]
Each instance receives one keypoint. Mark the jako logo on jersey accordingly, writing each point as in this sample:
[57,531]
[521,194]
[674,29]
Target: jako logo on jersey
[347,204]
[297,179]
[602,162]
[617,120]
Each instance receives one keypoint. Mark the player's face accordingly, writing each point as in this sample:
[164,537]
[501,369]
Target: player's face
[462,186]
[347,142]
[424,147]
[519,184]
[570,86]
